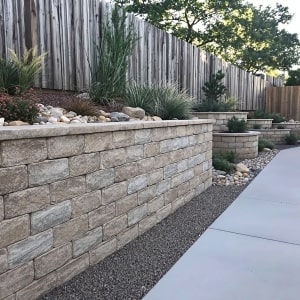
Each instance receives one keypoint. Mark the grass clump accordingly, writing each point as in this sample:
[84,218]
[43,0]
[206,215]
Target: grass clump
[263,143]
[291,139]
[224,161]
[82,107]
[165,101]
[280,127]
[277,118]
[237,126]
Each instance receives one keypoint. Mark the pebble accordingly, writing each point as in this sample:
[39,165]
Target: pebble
[254,165]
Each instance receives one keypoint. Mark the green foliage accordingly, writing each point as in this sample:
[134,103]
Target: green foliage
[228,155]
[236,126]
[256,126]
[214,89]
[280,127]
[291,139]
[222,164]
[254,38]
[277,118]
[263,143]
[29,67]
[82,107]
[293,78]
[21,107]
[9,77]
[164,101]
[110,62]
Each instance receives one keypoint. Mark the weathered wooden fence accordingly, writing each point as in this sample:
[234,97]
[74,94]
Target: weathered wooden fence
[67,30]
[284,100]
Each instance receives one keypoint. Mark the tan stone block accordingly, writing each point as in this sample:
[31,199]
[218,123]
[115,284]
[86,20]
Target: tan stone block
[101,215]
[67,189]
[171,195]
[125,204]
[181,131]
[13,179]
[183,189]
[52,260]
[134,153]
[85,203]
[152,149]
[72,268]
[16,152]
[114,227]
[100,179]
[163,212]
[98,142]
[1,209]
[14,230]
[159,134]
[162,160]
[16,279]
[102,251]
[64,146]
[146,165]
[3,261]
[178,203]
[146,194]
[137,183]
[147,223]
[48,171]
[84,164]
[156,176]
[70,230]
[113,158]
[142,136]
[137,214]
[127,171]
[123,138]
[155,204]
[127,236]
[26,201]
[114,192]
[38,288]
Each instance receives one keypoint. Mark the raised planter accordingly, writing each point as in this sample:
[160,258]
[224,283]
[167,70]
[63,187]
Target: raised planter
[264,123]
[287,125]
[245,145]
[276,136]
[221,118]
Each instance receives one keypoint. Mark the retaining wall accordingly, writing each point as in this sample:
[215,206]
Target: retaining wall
[264,123]
[221,118]
[276,136]
[72,195]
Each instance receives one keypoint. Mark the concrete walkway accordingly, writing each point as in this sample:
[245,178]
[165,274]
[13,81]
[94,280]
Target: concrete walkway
[252,251]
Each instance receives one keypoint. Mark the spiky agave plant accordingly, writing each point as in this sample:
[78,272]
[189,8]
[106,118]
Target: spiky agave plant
[29,66]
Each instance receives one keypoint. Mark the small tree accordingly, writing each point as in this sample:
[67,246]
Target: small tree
[294,78]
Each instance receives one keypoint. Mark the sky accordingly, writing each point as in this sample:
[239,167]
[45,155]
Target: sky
[293,5]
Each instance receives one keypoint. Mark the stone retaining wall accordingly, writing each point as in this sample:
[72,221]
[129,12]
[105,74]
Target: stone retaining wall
[221,118]
[245,145]
[276,136]
[72,195]
[264,123]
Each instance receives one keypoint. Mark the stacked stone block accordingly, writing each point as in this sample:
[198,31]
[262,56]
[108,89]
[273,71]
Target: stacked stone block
[69,197]
[264,123]
[276,136]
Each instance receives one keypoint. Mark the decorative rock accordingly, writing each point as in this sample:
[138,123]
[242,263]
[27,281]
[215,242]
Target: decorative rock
[156,118]
[17,123]
[134,112]
[118,117]
[104,114]
[101,118]
[267,150]
[238,173]
[1,121]
[56,112]
[64,119]
[52,120]
[242,168]
[75,122]
[84,96]
[71,114]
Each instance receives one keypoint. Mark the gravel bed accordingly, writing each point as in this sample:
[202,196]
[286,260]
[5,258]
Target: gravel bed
[133,270]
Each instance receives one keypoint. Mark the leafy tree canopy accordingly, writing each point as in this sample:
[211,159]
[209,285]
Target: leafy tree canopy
[247,36]
[293,77]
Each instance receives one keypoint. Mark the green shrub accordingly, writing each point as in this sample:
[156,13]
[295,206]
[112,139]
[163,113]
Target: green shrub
[256,126]
[21,108]
[237,126]
[277,118]
[9,77]
[291,139]
[222,164]
[280,127]
[164,101]
[230,156]
[215,106]
[110,62]
[82,107]
[262,143]
[260,114]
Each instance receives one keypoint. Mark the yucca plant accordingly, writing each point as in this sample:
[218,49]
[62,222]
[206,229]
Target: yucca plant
[29,67]
[9,77]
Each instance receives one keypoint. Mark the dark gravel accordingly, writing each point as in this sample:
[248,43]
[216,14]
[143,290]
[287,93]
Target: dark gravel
[133,270]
